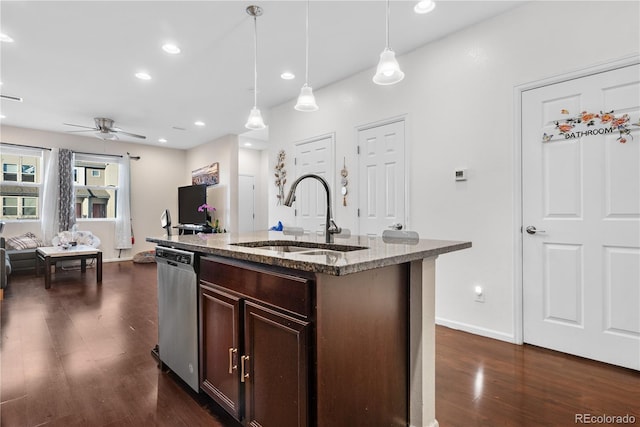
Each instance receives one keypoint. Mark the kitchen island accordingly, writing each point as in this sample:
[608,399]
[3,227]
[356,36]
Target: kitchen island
[295,331]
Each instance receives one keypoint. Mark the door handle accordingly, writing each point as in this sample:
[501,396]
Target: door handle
[232,351]
[533,230]
[243,375]
[396,226]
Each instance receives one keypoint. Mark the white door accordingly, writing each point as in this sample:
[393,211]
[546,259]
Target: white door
[381,178]
[246,203]
[313,156]
[581,191]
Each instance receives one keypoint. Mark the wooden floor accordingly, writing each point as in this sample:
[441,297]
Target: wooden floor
[78,354]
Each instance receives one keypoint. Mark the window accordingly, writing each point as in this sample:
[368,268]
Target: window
[10,171]
[21,183]
[96,187]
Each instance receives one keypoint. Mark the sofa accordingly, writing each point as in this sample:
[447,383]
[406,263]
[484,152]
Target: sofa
[5,268]
[21,251]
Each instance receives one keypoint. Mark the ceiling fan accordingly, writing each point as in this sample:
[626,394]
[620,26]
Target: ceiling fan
[105,129]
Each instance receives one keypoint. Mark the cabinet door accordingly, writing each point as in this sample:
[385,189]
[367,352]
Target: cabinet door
[220,326]
[275,368]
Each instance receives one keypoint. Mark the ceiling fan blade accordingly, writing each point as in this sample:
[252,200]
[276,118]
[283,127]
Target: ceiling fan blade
[80,126]
[76,131]
[130,134]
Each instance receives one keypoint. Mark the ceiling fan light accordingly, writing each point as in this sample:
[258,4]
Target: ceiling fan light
[255,122]
[388,71]
[106,135]
[306,100]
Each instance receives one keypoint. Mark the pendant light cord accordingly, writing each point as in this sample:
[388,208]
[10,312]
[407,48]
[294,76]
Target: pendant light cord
[255,62]
[306,73]
[387,22]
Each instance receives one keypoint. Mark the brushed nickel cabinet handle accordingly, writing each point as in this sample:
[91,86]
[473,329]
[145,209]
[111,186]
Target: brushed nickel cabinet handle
[231,365]
[243,375]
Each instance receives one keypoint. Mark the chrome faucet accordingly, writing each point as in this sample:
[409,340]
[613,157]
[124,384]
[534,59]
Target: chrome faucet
[330,227]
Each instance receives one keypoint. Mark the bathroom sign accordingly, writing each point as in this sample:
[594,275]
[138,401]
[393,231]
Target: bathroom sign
[588,124]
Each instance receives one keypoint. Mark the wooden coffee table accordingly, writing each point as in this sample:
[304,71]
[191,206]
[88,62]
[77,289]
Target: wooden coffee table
[51,254]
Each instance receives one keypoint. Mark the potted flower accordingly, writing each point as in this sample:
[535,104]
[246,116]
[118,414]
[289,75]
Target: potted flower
[211,222]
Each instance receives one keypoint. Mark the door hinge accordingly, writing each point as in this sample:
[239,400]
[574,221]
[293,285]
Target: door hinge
[358,212]
[357,149]
[295,160]
[295,212]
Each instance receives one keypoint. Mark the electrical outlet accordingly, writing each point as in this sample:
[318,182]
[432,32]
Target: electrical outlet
[479,293]
[479,298]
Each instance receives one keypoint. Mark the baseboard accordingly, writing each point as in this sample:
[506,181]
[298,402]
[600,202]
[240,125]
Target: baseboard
[129,258]
[476,330]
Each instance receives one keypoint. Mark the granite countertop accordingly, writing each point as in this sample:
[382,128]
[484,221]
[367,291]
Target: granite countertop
[324,259]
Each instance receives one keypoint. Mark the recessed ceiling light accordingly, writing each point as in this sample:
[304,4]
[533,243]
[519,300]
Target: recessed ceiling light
[2,116]
[143,76]
[247,144]
[424,6]
[5,38]
[171,48]
[162,140]
[287,76]
[199,123]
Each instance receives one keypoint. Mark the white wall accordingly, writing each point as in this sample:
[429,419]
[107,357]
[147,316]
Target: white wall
[458,98]
[224,151]
[157,170]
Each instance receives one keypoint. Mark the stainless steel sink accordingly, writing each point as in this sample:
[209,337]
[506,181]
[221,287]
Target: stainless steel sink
[287,248]
[308,248]
[321,252]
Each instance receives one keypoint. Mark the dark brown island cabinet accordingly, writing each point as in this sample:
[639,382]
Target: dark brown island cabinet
[285,348]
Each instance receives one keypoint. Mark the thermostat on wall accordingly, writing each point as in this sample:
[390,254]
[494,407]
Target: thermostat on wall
[461,174]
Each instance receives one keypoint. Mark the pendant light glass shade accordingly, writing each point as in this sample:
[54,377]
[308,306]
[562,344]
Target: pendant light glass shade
[255,121]
[388,71]
[306,100]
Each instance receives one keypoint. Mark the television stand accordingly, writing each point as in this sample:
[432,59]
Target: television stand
[193,229]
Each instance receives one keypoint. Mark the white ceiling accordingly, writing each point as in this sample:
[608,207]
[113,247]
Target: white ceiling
[75,60]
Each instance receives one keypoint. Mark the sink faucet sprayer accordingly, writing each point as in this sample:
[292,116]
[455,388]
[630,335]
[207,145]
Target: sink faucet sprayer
[330,227]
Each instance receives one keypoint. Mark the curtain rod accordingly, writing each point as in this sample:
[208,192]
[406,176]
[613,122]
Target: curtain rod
[98,154]
[108,155]
[25,146]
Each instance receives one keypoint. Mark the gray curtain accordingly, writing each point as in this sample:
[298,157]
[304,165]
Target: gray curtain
[67,198]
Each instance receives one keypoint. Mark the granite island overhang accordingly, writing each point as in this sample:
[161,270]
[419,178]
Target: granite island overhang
[376,253]
[391,274]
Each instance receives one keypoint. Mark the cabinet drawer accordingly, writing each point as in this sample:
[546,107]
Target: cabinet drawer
[277,288]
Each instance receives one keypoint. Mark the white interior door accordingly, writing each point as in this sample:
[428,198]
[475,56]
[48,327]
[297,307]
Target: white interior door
[381,173]
[314,156]
[246,203]
[581,190]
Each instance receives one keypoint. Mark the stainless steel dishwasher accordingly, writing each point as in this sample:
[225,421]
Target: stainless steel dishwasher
[178,313]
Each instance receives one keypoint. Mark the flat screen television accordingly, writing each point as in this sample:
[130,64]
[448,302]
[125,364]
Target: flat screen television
[189,199]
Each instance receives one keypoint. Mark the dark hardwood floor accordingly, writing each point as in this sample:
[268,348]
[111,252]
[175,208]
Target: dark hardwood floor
[78,354]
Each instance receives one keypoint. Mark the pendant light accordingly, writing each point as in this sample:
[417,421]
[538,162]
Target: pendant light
[388,71]
[255,122]
[306,100]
